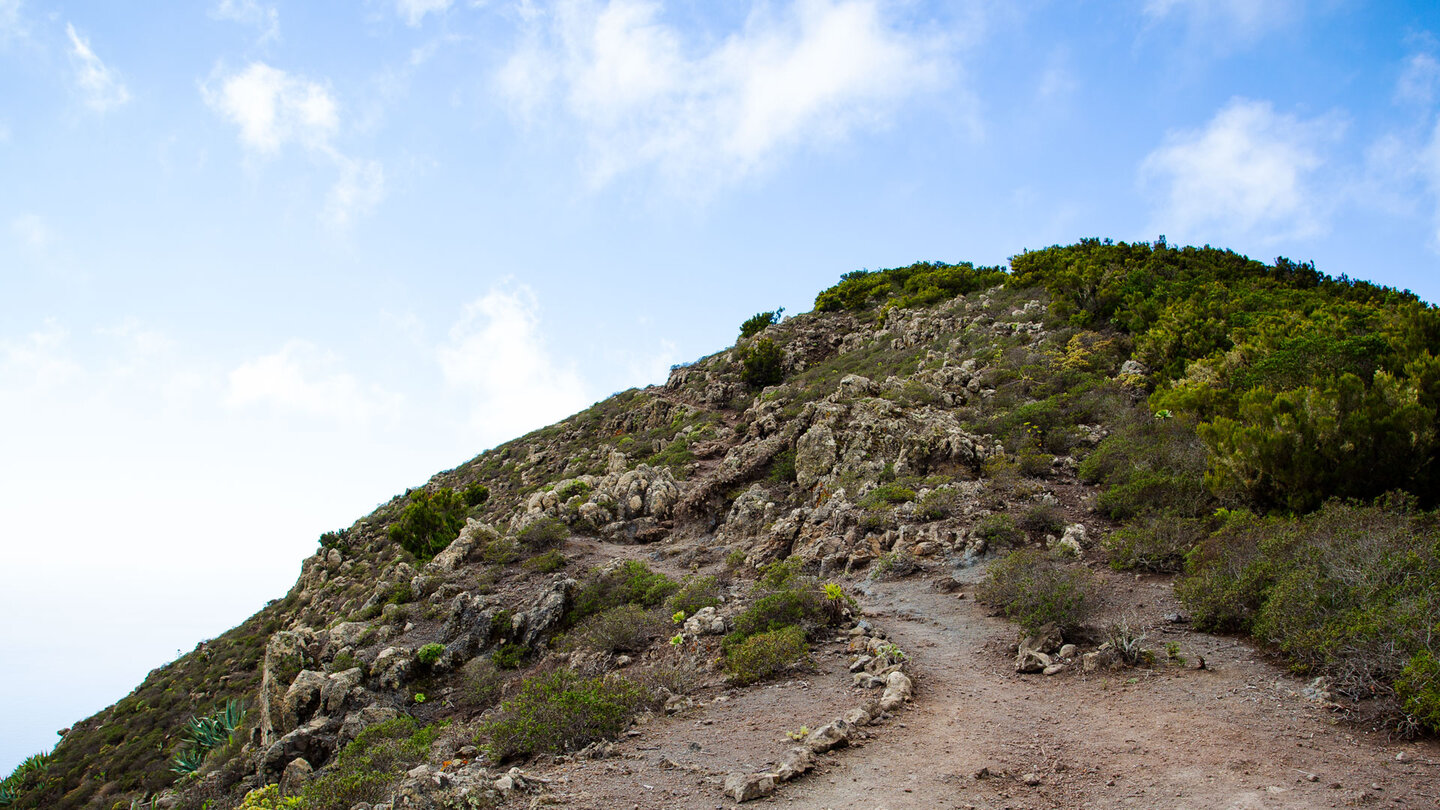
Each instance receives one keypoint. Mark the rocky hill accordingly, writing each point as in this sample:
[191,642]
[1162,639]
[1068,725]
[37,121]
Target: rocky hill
[711,588]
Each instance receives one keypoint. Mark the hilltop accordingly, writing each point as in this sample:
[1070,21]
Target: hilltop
[1044,534]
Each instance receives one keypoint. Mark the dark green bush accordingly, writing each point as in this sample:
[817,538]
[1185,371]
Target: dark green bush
[561,710]
[370,765]
[756,323]
[779,609]
[572,489]
[998,530]
[632,582]
[695,593]
[627,628]
[1041,519]
[429,522]
[938,504]
[1033,591]
[782,467]
[1156,542]
[762,363]
[765,655]
[481,684]
[544,533]
[919,284]
[1418,688]
[509,655]
[475,494]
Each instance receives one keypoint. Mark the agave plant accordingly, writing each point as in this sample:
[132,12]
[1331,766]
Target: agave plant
[231,716]
[8,794]
[188,761]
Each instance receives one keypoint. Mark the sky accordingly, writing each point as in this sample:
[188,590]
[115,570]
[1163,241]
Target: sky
[265,264]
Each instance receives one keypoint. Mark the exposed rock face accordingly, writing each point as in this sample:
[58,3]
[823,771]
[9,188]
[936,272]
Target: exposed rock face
[744,787]
[286,655]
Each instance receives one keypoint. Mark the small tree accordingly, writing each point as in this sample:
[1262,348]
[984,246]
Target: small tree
[762,363]
[756,323]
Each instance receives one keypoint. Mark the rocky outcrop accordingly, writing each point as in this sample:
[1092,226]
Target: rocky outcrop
[287,653]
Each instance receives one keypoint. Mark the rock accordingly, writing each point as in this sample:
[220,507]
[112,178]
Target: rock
[815,455]
[835,734]
[348,634]
[1031,779]
[797,762]
[1103,658]
[545,612]
[1054,669]
[297,773]
[356,722]
[1068,651]
[392,667]
[418,772]
[474,535]
[706,622]
[302,699]
[898,689]
[1073,541]
[1033,652]
[1133,368]
[861,715]
[287,651]
[743,787]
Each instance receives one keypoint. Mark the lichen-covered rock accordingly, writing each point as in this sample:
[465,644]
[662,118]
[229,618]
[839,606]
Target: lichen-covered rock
[287,653]
[898,690]
[474,536]
[392,667]
[302,699]
[744,787]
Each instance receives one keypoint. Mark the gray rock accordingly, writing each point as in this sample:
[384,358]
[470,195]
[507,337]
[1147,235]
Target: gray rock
[797,762]
[744,787]
[835,734]
[356,722]
[348,634]
[392,667]
[302,699]
[297,773]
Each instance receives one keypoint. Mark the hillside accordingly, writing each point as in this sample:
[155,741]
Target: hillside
[1123,450]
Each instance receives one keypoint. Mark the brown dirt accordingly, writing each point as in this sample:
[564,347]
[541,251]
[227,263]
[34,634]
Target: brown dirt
[1238,734]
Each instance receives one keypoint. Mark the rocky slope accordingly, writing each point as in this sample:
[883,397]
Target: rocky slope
[636,568]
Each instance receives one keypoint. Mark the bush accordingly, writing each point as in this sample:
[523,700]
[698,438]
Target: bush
[560,710]
[632,582]
[547,563]
[756,323]
[509,655]
[481,683]
[782,467]
[886,495]
[765,655]
[761,364]
[695,593]
[1034,591]
[572,489]
[1156,542]
[369,766]
[938,504]
[998,530]
[475,494]
[1042,519]
[779,609]
[429,522]
[1418,688]
[430,653]
[627,628]
[544,533]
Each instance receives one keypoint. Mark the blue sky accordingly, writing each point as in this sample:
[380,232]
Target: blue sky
[265,264]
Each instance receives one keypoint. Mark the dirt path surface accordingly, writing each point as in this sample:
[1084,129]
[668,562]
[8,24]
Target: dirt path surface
[1238,734]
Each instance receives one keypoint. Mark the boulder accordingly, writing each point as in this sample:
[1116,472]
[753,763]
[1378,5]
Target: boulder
[302,699]
[898,690]
[286,653]
[348,634]
[356,722]
[392,667]
[743,787]
[296,774]
[835,734]
[797,762]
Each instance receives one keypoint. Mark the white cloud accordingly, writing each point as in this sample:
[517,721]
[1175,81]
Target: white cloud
[1242,20]
[708,113]
[102,88]
[497,356]
[1249,172]
[359,190]
[36,362]
[1420,80]
[301,378]
[253,13]
[414,11]
[273,108]
[33,232]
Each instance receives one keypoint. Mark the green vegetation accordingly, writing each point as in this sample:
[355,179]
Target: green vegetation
[765,655]
[762,363]
[998,530]
[1034,590]
[1351,591]
[920,284]
[756,323]
[202,734]
[770,634]
[626,628]
[695,593]
[561,710]
[429,521]
[630,583]
[547,563]
[26,776]
[545,533]
[370,765]
[430,653]
[887,495]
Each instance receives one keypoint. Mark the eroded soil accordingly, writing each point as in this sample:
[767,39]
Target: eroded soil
[1238,734]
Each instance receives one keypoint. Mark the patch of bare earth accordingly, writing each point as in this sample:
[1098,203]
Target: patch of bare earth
[1237,734]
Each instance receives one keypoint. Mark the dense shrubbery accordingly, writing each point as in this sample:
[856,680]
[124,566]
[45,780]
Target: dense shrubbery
[761,363]
[788,605]
[561,710]
[370,765]
[695,593]
[1034,590]
[765,655]
[1350,591]
[917,285]
[630,583]
[626,628]
[756,323]
[429,521]
[545,533]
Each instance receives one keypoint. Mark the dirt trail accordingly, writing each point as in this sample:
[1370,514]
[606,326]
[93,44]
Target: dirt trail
[1236,735]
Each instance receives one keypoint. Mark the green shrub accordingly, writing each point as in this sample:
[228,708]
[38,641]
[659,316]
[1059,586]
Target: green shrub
[544,533]
[572,489]
[269,798]
[938,504]
[756,323]
[779,609]
[561,710]
[779,573]
[695,592]
[627,628]
[765,655]
[430,653]
[782,467]
[429,522]
[919,284]
[370,765]
[676,455]
[998,530]
[762,363]
[632,582]
[1041,519]
[500,551]
[1157,542]
[509,655]
[475,494]
[547,563]
[1034,591]
[886,495]
[1418,688]
[481,684]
